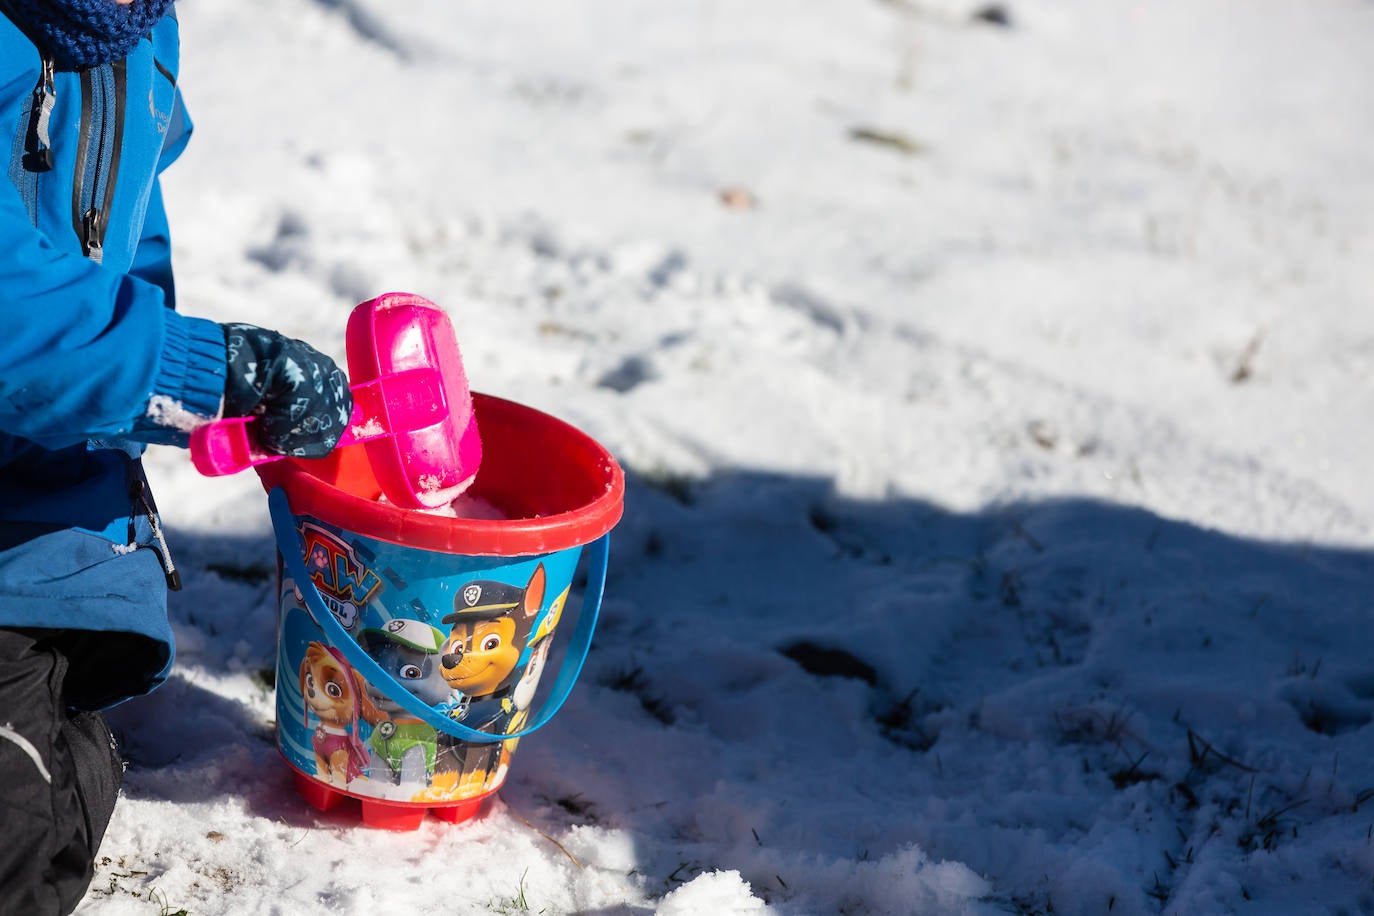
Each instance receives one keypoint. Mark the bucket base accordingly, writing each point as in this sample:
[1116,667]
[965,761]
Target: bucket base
[383,815]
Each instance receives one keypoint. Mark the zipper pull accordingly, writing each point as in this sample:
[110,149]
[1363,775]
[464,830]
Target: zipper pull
[138,495]
[93,234]
[38,145]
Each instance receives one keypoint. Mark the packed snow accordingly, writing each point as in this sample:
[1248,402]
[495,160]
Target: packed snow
[993,386]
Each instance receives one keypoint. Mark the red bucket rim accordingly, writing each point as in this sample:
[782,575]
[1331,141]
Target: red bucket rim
[308,494]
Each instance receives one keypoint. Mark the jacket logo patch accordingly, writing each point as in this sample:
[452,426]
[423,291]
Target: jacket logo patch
[161,119]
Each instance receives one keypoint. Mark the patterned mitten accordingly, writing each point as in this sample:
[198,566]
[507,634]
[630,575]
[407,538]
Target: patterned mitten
[299,395]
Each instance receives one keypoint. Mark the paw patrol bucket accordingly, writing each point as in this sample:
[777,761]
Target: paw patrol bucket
[410,643]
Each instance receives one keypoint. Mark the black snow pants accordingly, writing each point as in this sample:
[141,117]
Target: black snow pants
[60,773]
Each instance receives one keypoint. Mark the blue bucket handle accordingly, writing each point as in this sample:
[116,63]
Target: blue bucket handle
[289,544]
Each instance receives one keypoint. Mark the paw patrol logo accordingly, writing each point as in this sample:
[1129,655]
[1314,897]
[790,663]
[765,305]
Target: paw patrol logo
[472,594]
[336,570]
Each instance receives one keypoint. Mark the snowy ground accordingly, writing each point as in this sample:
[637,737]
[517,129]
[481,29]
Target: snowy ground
[996,405]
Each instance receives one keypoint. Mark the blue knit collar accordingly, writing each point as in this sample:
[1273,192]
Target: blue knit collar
[80,33]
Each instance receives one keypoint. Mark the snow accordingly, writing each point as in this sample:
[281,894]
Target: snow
[369,429]
[995,408]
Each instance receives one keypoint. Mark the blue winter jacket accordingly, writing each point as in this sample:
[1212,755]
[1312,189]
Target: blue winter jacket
[94,361]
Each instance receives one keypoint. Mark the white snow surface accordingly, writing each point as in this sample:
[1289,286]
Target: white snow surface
[995,402]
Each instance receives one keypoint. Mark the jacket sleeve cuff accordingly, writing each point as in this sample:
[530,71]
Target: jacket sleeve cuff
[190,383]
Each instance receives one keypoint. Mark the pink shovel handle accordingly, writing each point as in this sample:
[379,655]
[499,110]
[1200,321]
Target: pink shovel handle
[390,404]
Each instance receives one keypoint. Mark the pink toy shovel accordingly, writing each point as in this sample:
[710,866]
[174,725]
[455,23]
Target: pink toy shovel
[412,409]
[400,401]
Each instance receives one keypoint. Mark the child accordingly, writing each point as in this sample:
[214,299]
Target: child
[94,364]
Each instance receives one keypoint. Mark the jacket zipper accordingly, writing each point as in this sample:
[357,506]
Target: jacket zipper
[97,154]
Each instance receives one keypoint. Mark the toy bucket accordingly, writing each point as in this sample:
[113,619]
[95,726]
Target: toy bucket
[410,643]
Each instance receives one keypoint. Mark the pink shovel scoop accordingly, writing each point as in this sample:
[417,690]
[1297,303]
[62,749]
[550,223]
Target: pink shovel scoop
[412,409]
[419,465]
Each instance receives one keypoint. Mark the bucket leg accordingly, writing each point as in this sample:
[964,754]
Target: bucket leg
[392,817]
[316,793]
[453,814]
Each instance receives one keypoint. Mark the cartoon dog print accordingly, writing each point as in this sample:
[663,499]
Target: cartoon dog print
[491,623]
[335,693]
[401,745]
[522,695]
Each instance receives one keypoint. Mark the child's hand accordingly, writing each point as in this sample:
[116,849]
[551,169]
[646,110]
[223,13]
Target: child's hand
[300,396]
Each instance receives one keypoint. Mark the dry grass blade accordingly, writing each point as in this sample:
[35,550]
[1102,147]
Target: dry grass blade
[519,817]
